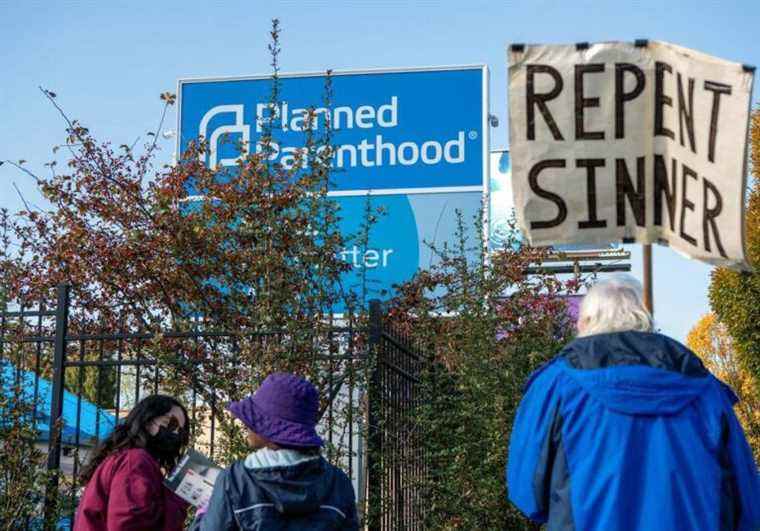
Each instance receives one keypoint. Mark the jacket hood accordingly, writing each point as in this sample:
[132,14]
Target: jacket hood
[294,488]
[637,373]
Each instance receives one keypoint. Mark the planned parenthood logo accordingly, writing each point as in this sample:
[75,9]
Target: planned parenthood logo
[375,152]
[418,131]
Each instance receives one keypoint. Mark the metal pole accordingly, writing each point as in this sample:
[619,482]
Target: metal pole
[648,291]
[374,436]
[56,403]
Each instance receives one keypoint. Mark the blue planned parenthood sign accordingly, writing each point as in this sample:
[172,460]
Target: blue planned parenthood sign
[414,140]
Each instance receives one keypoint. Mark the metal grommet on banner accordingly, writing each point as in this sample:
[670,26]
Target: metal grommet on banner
[517,48]
[641,43]
[581,46]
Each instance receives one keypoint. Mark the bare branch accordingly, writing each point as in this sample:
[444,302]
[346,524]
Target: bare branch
[152,147]
[23,200]
[21,168]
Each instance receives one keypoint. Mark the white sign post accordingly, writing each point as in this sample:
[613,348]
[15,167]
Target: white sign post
[641,142]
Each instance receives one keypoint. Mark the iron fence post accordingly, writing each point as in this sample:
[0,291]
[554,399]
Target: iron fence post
[374,436]
[56,402]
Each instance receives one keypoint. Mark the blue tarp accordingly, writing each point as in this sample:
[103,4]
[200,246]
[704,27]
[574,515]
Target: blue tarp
[83,422]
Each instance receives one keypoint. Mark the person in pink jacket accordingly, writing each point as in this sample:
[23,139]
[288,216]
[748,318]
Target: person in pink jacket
[124,479]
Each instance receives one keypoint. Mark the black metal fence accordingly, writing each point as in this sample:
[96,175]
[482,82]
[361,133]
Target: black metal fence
[397,474]
[82,384]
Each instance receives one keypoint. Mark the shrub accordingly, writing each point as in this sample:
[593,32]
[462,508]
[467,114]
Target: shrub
[487,325]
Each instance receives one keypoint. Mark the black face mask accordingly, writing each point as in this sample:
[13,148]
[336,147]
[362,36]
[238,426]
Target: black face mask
[165,445]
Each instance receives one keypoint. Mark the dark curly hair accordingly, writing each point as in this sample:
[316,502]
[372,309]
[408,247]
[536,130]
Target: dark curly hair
[132,433]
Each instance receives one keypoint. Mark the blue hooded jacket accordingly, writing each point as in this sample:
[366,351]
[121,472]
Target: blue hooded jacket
[309,495]
[629,431]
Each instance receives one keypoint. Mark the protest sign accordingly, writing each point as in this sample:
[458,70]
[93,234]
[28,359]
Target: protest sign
[640,142]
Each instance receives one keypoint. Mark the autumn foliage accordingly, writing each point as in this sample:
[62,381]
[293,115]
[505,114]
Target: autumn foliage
[258,250]
[729,340]
[254,255]
[735,296]
[710,340]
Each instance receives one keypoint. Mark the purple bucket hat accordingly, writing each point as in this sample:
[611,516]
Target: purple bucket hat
[284,410]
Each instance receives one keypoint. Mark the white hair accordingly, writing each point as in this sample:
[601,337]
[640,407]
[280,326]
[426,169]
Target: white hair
[614,305]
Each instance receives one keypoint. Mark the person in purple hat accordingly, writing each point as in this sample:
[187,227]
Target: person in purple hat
[284,483]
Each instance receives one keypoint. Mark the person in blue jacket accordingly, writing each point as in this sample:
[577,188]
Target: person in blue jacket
[284,483]
[626,430]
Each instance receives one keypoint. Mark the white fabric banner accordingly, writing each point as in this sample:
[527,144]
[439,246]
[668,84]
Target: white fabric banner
[617,142]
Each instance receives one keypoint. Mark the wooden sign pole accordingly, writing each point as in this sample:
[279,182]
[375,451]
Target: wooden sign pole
[648,292]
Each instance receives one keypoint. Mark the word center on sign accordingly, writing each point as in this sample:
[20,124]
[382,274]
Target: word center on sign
[367,258]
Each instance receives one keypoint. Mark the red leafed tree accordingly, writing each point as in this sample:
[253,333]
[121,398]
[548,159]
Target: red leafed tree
[258,252]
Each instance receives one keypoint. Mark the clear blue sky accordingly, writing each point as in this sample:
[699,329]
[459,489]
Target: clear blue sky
[109,61]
